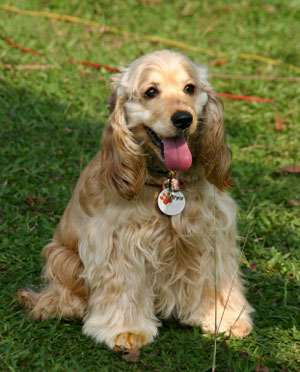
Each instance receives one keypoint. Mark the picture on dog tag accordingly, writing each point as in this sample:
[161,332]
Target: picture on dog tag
[171,202]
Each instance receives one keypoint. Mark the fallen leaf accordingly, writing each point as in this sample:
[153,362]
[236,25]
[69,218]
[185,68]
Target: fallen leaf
[291,168]
[208,29]
[133,355]
[32,200]
[295,202]
[101,31]
[150,1]
[279,123]
[85,71]
[188,9]
[115,43]
[218,62]
[270,8]
[60,33]
[223,8]
[244,354]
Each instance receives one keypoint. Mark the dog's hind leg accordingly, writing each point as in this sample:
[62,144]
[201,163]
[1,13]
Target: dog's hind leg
[64,295]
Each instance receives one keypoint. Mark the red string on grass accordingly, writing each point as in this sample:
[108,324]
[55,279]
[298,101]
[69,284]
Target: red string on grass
[25,50]
[95,65]
[246,98]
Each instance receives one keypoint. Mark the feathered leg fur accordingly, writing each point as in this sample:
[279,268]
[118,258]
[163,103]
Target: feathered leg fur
[121,299]
[64,295]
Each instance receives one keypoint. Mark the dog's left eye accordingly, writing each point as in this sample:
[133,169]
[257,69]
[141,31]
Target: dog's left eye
[189,89]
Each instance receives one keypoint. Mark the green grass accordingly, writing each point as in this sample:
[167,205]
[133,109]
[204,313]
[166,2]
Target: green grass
[51,123]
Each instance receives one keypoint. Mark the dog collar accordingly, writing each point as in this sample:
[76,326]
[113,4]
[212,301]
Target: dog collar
[158,171]
[154,185]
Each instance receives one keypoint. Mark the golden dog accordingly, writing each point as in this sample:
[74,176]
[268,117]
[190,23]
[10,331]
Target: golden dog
[116,260]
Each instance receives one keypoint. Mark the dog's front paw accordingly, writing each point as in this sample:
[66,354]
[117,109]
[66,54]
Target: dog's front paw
[229,325]
[242,327]
[128,340]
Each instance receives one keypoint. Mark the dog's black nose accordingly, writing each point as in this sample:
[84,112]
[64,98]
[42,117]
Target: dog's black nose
[182,119]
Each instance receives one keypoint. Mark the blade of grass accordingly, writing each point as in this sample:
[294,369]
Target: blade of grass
[233,280]
[215,277]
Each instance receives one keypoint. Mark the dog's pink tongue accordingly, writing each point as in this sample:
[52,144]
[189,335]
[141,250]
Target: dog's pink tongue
[176,153]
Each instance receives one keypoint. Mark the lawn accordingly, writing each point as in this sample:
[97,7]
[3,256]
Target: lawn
[51,120]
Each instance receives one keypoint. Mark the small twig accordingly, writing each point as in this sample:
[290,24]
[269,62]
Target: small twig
[34,67]
[255,145]
[295,109]
[27,67]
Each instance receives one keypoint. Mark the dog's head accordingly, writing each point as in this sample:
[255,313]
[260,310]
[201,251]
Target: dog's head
[162,105]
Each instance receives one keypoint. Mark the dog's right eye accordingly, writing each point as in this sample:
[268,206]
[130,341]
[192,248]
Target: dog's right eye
[151,93]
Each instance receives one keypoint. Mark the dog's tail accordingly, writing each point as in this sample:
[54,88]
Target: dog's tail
[65,294]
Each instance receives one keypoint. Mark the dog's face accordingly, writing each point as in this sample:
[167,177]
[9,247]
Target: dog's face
[165,100]
[157,104]
[164,111]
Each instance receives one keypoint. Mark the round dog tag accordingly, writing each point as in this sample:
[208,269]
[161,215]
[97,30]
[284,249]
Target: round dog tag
[171,202]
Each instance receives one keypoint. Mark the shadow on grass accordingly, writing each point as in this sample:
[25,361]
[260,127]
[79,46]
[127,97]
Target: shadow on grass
[45,145]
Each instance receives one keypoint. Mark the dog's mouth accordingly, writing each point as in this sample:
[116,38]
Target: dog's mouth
[174,150]
[155,139]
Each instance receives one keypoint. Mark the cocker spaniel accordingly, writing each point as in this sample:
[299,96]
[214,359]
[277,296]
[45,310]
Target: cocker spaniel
[133,246]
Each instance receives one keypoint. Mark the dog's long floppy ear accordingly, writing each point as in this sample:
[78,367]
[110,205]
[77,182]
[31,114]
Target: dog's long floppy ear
[122,162]
[215,155]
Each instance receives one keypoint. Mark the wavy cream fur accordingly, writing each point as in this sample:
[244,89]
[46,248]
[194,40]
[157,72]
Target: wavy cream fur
[119,263]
